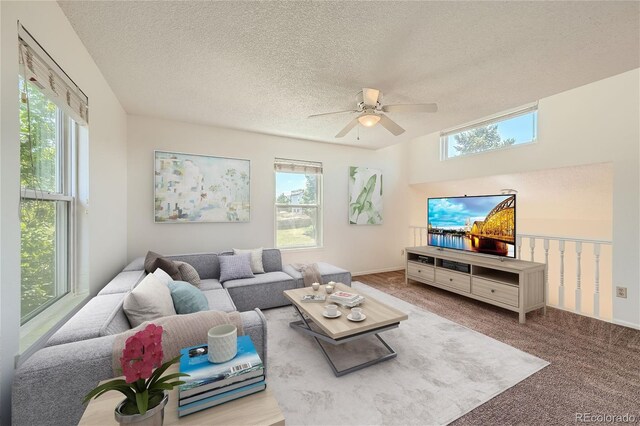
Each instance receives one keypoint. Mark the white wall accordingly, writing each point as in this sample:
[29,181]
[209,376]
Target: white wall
[107,164]
[357,248]
[596,123]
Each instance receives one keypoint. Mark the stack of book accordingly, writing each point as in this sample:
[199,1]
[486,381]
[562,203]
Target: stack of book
[210,384]
[346,299]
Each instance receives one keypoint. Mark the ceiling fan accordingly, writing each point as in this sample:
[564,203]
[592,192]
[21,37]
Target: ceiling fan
[371,110]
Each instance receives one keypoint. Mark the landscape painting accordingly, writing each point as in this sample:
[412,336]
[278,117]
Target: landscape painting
[365,196]
[200,188]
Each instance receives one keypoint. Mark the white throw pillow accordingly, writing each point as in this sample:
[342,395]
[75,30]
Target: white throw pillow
[256,259]
[162,276]
[149,300]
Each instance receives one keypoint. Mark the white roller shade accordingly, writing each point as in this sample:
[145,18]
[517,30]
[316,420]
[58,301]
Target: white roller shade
[40,69]
[297,166]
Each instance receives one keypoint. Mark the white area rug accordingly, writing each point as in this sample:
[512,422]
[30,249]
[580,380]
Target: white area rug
[443,370]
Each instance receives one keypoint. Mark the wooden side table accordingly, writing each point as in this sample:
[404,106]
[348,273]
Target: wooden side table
[257,409]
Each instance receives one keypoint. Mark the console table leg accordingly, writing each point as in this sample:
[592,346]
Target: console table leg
[522,318]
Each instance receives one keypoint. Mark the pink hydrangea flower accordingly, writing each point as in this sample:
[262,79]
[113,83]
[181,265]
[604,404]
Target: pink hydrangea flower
[142,353]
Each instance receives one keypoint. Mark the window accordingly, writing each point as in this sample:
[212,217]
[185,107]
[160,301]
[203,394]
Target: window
[51,109]
[514,128]
[298,202]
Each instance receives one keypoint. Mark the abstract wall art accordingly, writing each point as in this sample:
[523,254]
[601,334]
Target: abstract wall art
[199,188]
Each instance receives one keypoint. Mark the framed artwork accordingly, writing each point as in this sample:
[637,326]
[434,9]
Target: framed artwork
[365,196]
[199,188]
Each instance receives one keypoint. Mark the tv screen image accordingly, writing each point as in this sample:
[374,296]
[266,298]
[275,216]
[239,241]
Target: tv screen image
[480,224]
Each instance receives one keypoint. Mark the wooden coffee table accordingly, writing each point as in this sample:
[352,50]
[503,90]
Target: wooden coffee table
[336,331]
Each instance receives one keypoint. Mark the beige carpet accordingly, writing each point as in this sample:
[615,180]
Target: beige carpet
[443,370]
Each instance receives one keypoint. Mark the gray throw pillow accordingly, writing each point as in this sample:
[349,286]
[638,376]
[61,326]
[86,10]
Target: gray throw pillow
[188,273]
[187,299]
[235,267]
[256,259]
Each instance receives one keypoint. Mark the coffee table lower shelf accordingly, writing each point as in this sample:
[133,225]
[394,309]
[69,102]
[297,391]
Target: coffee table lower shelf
[303,326]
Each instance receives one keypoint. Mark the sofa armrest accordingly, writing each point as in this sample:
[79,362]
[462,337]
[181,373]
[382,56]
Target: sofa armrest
[255,326]
[49,387]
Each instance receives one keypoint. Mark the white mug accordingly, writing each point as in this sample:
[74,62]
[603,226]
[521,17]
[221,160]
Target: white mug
[223,343]
[356,313]
[331,310]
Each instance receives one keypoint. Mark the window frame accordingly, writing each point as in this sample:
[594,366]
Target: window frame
[66,184]
[487,121]
[318,206]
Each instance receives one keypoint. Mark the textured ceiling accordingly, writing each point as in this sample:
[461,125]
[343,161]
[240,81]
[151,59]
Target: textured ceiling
[266,66]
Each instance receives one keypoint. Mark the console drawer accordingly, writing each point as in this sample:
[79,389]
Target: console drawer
[422,271]
[456,280]
[503,293]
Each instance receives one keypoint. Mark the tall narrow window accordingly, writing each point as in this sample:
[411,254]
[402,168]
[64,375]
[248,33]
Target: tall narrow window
[298,203]
[498,132]
[51,108]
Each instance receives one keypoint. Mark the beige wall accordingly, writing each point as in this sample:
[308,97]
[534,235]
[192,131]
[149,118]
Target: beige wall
[356,248]
[106,216]
[596,123]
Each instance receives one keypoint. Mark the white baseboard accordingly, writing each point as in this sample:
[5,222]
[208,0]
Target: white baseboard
[377,271]
[626,324]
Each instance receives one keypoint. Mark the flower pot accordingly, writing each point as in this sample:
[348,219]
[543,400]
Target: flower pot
[153,417]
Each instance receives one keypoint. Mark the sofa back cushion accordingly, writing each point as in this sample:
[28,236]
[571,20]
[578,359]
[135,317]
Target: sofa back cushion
[206,264]
[271,260]
[99,314]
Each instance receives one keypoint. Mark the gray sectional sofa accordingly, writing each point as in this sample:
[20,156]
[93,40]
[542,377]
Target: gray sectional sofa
[48,388]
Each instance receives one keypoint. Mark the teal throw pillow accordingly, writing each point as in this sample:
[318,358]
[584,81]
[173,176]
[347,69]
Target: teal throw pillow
[187,299]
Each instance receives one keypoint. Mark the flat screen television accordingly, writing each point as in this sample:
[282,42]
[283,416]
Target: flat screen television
[478,224]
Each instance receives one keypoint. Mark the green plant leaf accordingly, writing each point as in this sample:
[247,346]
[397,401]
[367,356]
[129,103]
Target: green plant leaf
[110,385]
[160,370]
[142,401]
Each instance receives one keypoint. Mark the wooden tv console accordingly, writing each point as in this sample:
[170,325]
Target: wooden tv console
[517,285]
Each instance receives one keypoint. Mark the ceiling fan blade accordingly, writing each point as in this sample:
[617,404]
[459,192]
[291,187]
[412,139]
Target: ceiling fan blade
[331,113]
[353,123]
[370,96]
[390,125]
[411,108]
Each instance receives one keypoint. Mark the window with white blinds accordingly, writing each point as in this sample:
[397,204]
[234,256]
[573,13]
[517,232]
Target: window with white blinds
[52,108]
[298,203]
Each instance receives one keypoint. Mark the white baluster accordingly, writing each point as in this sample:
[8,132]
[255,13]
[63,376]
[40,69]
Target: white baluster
[578,277]
[561,288]
[414,237]
[519,245]
[596,291]
[532,246]
[546,270]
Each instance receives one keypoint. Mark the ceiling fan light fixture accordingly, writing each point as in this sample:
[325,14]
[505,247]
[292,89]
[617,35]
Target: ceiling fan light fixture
[369,120]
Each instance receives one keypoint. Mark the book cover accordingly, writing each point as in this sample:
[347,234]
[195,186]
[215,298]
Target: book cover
[343,295]
[218,391]
[203,404]
[313,298]
[205,375]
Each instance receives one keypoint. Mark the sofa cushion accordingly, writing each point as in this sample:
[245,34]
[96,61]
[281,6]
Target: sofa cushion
[256,259]
[235,267]
[188,273]
[162,276]
[272,260]
[206,264]
[327,271]
[123,282]
[219,300]
[89,320]
[147,301]
[263,291]
[187,298]
[210,284]
[136,264]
